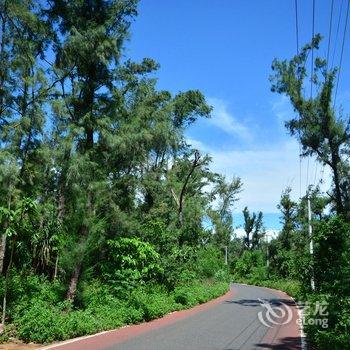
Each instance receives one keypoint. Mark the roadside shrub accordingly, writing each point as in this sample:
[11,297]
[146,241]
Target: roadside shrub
[251,265]
[209,261]
[40,323]
[331,257]
[337,334]
[129,262]
[222,275]
[154,303]
[178,267]
[184,295]
[189,295]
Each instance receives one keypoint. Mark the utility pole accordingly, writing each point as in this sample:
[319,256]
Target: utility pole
[267,252]
[311,244]
[225,254]
[267,255]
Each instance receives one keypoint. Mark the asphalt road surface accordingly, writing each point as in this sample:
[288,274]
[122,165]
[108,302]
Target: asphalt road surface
[231,322]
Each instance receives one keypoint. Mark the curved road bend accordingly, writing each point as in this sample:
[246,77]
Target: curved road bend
[228,323]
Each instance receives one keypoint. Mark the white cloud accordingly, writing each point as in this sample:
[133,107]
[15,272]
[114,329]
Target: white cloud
[196,144]
[222,119]
[269,235]
[265,172]
[282,109]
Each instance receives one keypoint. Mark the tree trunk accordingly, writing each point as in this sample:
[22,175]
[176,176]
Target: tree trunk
[76,273]
[338,195]
[56,268]
[62,200]
[74,282]
[2,251]
[4,236]
[4,300]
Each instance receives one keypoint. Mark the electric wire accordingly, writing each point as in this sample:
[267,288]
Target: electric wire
[330,32]
[342,52]
[296,24]
[337,32]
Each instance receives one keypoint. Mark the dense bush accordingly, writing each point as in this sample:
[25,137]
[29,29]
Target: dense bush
[42,320]
[186,264]
[337,333]
[129,262]
[251,266]
[208,261]
[332,256]
[332,278]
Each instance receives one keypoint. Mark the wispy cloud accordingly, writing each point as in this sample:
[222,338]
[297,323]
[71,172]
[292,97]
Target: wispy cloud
[266,169]
[265,172]
[282,109]
[224,120]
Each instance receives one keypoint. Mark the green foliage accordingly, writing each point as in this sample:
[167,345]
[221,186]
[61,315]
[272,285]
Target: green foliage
[192,294]
[331,258]
[45,319]
[209,261]
[129,262]
[177,266]
[153,302]
[251,265]
[253,227]
[336,335]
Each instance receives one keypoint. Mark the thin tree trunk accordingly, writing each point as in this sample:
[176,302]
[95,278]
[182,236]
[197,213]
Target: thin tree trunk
[56,268]
[338,195]
[181,198]
[4,235]
[2,251]
[74,283]
[62,200]
[4,301]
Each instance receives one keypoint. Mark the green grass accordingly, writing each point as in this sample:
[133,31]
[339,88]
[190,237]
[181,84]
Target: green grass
[43,322]
[291,287]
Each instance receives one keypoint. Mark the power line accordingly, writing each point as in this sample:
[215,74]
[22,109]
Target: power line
[330,32]
[296,24]
[337,32]
[342,51]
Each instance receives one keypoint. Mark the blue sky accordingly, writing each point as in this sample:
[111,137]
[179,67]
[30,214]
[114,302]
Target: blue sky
[225,48]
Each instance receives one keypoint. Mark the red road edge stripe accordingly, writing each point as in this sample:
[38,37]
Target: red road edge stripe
[108,338]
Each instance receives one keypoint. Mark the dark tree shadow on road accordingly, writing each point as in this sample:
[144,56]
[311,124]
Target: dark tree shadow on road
[288,343]
[257,302]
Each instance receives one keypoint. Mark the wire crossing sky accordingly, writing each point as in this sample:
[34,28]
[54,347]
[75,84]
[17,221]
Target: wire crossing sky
[225,49]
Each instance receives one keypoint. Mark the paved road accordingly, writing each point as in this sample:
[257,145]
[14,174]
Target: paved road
[230,323]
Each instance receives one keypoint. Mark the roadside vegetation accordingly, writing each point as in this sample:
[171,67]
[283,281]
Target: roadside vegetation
[323,133]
